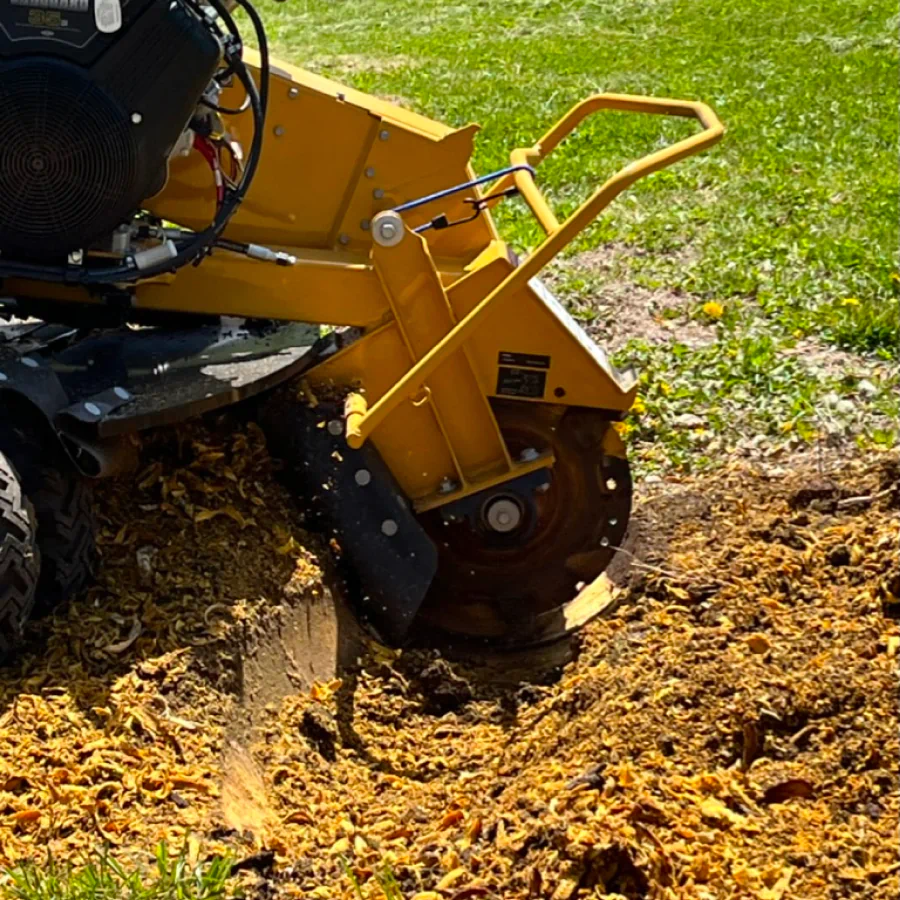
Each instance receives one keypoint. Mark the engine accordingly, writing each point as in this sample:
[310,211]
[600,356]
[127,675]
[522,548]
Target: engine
[94,97]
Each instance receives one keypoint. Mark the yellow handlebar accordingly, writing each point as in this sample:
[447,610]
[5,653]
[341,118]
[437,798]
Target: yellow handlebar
[524,181]
[362,423]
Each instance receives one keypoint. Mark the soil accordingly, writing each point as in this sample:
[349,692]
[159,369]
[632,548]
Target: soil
[618,310]
[731,731]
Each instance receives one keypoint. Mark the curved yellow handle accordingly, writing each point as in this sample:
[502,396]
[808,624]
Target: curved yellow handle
[558,236]
[524,181]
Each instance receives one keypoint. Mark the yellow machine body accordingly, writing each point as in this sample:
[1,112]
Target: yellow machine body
[449,319]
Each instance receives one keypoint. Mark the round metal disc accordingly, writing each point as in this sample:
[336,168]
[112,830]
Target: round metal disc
[538,581]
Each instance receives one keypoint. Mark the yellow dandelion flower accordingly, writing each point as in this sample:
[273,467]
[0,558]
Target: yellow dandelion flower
[713,310]
[638,406]
[850,301]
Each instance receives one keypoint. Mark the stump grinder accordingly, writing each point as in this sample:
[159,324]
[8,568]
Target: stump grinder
[186,224]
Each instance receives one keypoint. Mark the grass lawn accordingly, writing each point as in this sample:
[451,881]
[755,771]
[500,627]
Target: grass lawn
[789,227]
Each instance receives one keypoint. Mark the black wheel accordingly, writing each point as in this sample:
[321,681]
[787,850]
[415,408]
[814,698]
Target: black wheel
[19,557]
[63,506]
[66,533]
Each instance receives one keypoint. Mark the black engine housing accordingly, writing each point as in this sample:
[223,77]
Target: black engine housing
[88,119]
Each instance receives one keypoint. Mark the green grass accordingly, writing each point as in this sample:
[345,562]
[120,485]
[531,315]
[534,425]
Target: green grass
[792,214]
[103,878]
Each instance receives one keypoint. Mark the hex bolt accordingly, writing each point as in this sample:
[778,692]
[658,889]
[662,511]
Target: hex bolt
[529,454]
[293,93]
[362,477]
[389,527]
[121,393]
[366,224]
[335,427]
[136,118]
[344,239]
[378,193]
[604,542]
[279,131]
[383,135]
[370,172]
[613,523]
[447,486]
[92,408]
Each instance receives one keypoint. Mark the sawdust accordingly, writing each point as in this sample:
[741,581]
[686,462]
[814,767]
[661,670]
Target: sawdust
[732,732]
[113,727]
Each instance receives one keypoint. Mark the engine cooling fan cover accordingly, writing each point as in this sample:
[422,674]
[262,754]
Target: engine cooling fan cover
[69,159]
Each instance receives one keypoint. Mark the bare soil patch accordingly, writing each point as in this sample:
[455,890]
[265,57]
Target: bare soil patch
[618,310]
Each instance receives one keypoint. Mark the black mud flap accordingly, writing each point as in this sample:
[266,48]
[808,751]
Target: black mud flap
[360,505]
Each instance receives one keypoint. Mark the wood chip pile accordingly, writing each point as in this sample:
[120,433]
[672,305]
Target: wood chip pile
[731,732]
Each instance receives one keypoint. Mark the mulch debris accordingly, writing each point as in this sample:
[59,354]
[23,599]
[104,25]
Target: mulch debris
[732,730]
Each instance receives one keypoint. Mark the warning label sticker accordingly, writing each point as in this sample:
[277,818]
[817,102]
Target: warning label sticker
[516,382]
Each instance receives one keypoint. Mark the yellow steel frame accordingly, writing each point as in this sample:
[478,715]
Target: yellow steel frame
[434,340]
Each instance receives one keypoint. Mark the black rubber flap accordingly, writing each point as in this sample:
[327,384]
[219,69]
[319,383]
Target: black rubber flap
[392,558]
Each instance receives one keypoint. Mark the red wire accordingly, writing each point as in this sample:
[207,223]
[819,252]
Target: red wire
[206,149]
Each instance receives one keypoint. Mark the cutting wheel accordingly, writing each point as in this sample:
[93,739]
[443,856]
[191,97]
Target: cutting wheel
[519,564]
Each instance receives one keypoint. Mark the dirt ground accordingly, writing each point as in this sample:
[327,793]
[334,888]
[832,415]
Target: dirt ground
[732,730]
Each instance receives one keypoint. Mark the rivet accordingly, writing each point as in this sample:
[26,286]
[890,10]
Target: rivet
[335,427]
[604,542]
[31,363]
[279,130]
[344,239]
[92,408]
[383,135]
[341,97]
[121,393]
[613,522]
[378,193]
[136,118]
[362,477]
[293,93]
[529,454]
[370,172]
[389,527]
[366,224]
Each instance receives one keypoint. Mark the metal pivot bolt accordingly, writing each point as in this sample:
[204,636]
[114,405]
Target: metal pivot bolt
[504,515]
[388,228]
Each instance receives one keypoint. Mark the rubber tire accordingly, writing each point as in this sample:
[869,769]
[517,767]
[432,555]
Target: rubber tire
[63,504]
[20,561]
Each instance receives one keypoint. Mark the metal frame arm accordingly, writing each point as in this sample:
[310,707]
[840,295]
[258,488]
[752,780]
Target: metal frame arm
[558,235]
